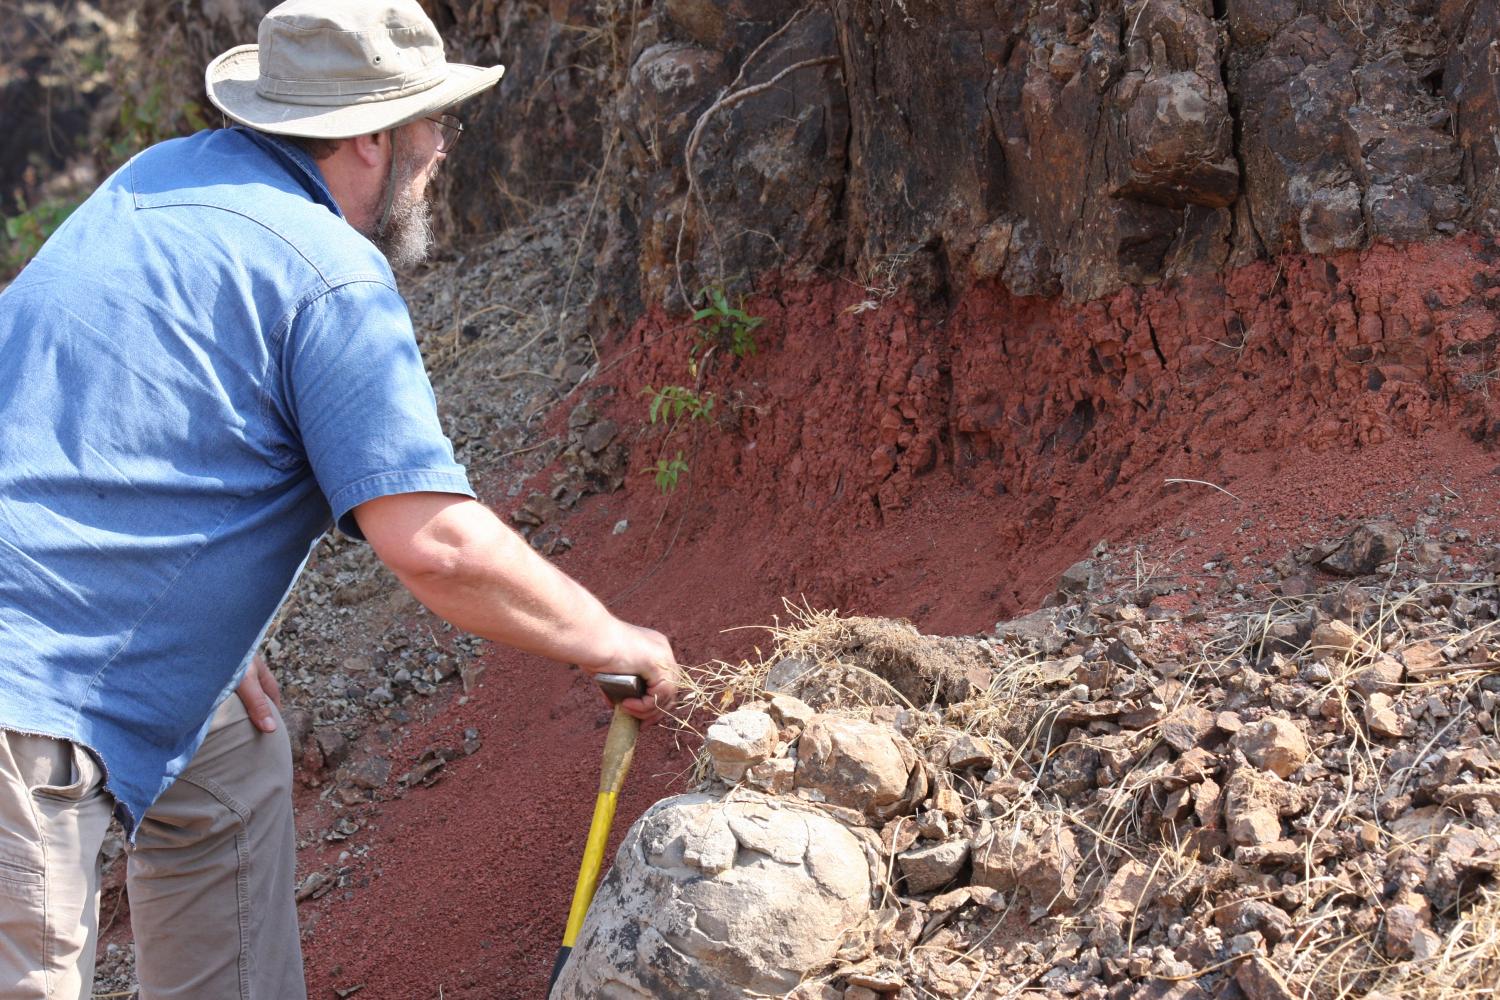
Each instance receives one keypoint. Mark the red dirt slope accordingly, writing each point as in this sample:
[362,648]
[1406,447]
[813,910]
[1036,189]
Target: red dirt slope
[945,470]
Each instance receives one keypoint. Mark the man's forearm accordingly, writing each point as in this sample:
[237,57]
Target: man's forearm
[464,564]
[488,581]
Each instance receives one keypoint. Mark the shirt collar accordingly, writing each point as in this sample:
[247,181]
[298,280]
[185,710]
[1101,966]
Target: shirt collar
[302,166]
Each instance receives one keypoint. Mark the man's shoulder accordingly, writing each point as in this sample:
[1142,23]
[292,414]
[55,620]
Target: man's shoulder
[249,192]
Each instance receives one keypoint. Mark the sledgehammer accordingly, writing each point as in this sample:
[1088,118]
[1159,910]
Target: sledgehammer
[619,748]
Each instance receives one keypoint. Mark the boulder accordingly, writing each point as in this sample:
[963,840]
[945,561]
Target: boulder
[725,898]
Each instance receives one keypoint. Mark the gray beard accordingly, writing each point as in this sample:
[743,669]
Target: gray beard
[406,236]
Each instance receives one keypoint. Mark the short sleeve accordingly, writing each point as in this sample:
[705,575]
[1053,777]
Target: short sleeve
[356,394]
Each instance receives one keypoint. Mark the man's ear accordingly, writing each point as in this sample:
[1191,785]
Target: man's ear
[370,149]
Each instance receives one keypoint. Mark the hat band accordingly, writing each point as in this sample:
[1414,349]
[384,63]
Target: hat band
[334,93]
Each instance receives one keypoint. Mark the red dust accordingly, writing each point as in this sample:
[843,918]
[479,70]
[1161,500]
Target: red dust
[942,470]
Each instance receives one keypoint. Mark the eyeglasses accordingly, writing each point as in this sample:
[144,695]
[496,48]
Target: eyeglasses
[449,129]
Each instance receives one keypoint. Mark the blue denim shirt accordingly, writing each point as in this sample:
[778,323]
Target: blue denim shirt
[203,368]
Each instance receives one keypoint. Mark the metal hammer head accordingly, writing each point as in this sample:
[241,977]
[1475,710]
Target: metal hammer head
[618,687]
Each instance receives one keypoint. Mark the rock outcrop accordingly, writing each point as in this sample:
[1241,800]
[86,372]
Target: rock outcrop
[1093,824]
[1068,148]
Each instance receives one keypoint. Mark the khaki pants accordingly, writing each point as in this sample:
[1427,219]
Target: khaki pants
[210,876]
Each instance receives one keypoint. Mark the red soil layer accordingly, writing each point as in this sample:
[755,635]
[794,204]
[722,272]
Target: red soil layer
[944,472]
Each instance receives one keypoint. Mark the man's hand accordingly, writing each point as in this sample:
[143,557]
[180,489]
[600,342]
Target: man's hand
[647,654]
[259,691]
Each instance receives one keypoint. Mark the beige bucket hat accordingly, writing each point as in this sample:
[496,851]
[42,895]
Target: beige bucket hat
[332,69]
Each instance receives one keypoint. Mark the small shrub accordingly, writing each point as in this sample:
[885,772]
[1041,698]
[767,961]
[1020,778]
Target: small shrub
[671,402]
[718,325]
[722,324]
[668,470]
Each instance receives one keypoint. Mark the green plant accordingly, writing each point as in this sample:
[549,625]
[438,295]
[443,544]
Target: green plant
[717,325]
[28,229]
[149,117]
[720,323]
[668,471]
[670,405]
[672,402]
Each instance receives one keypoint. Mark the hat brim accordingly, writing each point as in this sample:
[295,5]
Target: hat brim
[231,82]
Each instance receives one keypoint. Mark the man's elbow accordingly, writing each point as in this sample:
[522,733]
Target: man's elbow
[428,543]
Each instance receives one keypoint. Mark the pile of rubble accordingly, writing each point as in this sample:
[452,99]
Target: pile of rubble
[1101,799]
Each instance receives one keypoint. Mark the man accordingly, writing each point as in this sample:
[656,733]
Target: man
[204,367]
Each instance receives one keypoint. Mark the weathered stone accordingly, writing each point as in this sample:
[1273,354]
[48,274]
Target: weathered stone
[1072,771]
[764,903]
[1192,767]
[789,712]
[739,740]
[816,991]
[932,825]
[1382,717]
[1383,674]
[370,773]
[1261,981]
[932,866]
[299,726]
[1187,727]
[1466,796]
[948,802]
[332,746]
[855,764]
[880,980]
[1405,920]
[1365,549]
[1040,628]
[1271,854]
[789,675]
[1042,858]
[1335,638]
[970,751]
[1252,801]
[1180,146]
[1244,915]
[1208,803]
[1274,744]
[1077,578]
[776,776]
[1423,658]
[1129,890]
[899,836]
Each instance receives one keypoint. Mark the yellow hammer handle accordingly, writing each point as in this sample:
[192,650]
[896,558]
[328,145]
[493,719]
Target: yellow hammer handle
[619,749]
